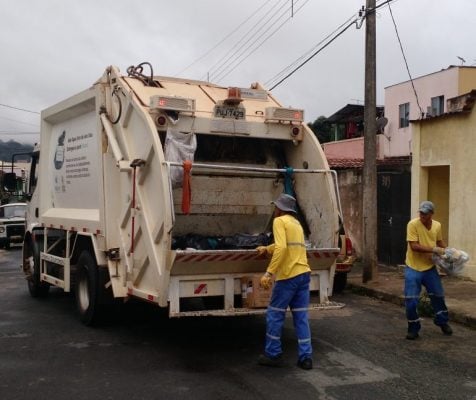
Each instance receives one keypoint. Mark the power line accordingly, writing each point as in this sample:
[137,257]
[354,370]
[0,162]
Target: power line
[250,34]
[226,37]
[287,68]
[232,68]
[405,59]
[19,109]
[313,55]
[327,44]
[20,122]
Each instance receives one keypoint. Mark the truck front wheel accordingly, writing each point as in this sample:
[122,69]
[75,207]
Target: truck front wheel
[36,287]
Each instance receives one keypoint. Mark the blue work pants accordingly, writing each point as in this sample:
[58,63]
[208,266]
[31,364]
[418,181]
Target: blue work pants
[432,282]
[293,293]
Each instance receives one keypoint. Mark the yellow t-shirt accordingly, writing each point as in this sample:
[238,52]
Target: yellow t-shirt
[289,250]
[417,232]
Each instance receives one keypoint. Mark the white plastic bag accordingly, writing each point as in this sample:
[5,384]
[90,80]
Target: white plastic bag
[452,262]
[179,147]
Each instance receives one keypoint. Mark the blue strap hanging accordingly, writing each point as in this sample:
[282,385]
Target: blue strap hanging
[288,181]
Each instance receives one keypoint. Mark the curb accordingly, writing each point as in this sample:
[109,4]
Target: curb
[455,316]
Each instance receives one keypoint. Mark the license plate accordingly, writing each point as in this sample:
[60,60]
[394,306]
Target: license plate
[229,112]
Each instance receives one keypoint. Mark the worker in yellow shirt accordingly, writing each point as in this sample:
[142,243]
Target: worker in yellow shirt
[423,239]
[291,289]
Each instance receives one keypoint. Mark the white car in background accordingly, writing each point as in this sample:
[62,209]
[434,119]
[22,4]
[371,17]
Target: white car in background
[12,223]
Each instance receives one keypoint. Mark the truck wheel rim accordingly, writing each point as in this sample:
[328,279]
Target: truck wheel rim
[83,294]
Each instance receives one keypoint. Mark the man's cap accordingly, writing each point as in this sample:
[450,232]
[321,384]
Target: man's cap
[426,207]
[285,202]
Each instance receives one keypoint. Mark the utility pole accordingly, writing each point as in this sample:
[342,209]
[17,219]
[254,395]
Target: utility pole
[369,203]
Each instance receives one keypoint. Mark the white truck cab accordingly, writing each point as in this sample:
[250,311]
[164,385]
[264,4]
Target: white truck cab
[12,223]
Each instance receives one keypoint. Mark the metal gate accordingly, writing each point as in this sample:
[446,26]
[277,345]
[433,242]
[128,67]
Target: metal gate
[393,208]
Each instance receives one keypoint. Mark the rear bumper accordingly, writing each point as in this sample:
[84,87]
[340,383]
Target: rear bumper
[233,312]
[345,265]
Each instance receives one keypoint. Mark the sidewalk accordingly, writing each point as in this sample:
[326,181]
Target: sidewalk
[460,293]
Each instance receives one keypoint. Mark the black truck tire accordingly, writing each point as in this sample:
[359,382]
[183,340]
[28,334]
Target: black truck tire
[35,286]
[93,301]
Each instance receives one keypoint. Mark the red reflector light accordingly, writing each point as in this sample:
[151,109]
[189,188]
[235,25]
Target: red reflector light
[297,115]
[348,246]
[162,102]
[161,120]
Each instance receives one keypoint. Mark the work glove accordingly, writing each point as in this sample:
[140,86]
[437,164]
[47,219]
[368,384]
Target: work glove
[439,250]
[265,281]
[261,250]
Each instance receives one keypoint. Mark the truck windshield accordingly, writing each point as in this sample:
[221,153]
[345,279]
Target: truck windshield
[12,211]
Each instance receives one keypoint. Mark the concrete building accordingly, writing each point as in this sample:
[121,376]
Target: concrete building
[432,91]
[443,172]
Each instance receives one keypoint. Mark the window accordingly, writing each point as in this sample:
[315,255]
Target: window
[404,113]
[12,211]
[437,105]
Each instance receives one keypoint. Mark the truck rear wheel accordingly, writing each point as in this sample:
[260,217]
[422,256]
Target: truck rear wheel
[95,302]
[35,286]
[87,289]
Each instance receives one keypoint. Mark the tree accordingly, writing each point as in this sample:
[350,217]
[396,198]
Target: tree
[321,128]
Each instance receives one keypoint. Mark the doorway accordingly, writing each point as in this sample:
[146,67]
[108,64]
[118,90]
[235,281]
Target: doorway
[439,194]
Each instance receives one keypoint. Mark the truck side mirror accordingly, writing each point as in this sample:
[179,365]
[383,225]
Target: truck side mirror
[10,181]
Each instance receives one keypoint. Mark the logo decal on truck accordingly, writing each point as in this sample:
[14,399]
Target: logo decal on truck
[59,154]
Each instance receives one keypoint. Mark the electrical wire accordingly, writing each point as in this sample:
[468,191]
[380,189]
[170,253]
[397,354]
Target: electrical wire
[313,55]
[253,50]
[326,44]
[405,59]
[20,122]
[225,38]
[238,62]
[219,65]
[19,109]
[281,73]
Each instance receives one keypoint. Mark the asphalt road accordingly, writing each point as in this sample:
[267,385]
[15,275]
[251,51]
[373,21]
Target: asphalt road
[360,353]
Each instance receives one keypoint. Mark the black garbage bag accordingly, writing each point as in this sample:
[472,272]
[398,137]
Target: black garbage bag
[191,241]
[235,242]
[246,241]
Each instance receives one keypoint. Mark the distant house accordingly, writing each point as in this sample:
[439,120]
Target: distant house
[443,171]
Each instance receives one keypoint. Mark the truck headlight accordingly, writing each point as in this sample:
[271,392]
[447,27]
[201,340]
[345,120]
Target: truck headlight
[2,229]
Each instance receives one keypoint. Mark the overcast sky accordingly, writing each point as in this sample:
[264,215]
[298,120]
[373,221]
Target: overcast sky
[52,49]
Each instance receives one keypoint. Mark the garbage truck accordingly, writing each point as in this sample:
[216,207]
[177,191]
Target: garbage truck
[160,189]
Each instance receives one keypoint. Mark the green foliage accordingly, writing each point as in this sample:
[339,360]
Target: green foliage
[322,129]
[7,149]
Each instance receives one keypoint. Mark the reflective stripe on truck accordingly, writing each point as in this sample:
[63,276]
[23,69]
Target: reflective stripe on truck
[185,256]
